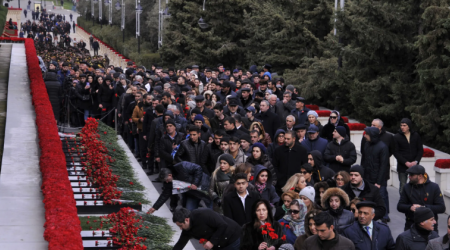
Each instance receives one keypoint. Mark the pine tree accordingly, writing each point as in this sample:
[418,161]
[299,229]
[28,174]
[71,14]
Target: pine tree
[186,43]
[430,111]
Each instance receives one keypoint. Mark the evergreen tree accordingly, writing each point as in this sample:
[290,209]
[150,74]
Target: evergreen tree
[186,43]
[430,111]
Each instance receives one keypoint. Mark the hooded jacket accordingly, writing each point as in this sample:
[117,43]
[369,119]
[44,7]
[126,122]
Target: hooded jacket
[342,217]
[319,144]
[427,194]
[269,192]
[264,160]
[407,151]
[346,149]
[274,145]
[412,240]
[375,158]
[320,172]
[327,131]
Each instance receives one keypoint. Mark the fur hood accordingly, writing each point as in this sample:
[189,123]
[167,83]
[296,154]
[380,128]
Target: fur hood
[345,201]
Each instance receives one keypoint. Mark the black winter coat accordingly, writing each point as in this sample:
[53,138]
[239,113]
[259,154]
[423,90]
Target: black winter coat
[287,162]
[370,193]
[381,237]
[327,131]
[270,121]
[220,230]
[407,151]
[412,240]
[387,138]
[209,158]
[81,91]
[320,172]
[346,149]
[234,209]
[251,237]
[54,92]
[427,194]
[165,149]
[189,152]
[105,95]
[301,116]
[274,145]
[264,161]
[375,158]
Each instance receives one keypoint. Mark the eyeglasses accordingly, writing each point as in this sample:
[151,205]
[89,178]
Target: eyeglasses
[333,117]
[303,172]
[294,211]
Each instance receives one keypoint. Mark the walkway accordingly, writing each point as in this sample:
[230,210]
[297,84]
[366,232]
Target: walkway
[21,208]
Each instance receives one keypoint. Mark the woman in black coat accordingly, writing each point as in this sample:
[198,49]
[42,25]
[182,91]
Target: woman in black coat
[334,200]
[84,96]
[252,237]
[334,121]
[259,157]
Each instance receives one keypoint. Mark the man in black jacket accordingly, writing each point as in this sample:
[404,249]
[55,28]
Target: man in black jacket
[287,160]
[105,100]
[364,190]
[211,153]
[420,192]
[375,161]
[169,141]
[417,236]
[237,204]
[320,172]
[341,152]
[270,121]
[409,150]
[200,104]
[191,149]
[219,231]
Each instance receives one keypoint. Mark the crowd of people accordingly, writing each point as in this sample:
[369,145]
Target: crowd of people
[263,172]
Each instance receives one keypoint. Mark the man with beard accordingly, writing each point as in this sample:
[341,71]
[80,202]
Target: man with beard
[420,192]
[138,118]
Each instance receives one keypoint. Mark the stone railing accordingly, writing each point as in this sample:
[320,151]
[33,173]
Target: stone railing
[115,58]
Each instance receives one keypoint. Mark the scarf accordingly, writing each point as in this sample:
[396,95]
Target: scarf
[338,117]
[297,226]
[260,187]
[284,208]
[222,176]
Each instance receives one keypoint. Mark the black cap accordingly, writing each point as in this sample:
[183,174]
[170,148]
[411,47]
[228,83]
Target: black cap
[233,101]
[226,84]
[267,66]
[199,98]
[300,99]
[116,75]
[299,126]
[416,169]
[245,89]
[357,168]
[246,137]
[366,204]
[171,121]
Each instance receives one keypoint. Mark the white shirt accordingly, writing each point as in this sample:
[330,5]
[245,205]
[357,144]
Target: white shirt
[243,198]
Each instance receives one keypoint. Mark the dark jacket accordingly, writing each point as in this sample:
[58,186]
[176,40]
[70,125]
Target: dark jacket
[381,237]
[190,152]
[209,158]
[340,243]
[274,145]
[165,195]
[216,123]
[235,132]
[427,194]
[370,193]
[407,151]
[320,172]
[220,230]
[192,173]
[301,116]
[234,209]
[270,122]
[327,131]
[105,95]
[264,160]
[387,138]
[346,149]
[375,158]
[54,92]
[342,217]
[269,193]
[164,151]
[412,240]
[319,144]
[81,91]
[287,162]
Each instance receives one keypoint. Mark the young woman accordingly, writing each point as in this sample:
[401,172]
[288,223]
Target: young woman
[259,157]
[307,195]
[264,137]
[310,229]
[263,183]
[295,218]
[313,119]
[252,237]
[283,207]
[220,178]
[353,207]
[334,201]
[341,178]
[296,182]
[334,121]
[320,188]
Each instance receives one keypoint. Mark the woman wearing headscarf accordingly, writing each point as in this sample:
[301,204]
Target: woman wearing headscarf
[334,121]
[295,218]
[283,207]
[264,137]
[277,142]
[259,157]
[263,183]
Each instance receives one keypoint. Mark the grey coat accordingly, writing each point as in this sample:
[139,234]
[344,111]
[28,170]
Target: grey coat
[440,243]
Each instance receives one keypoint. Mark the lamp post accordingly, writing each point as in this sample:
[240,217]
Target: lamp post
[161,23]
[138,23]
[201,22]
[122,26]
[100,12]
[92,10]
[108,4]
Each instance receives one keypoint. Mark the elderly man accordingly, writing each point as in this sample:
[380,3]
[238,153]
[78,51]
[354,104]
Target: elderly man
[300,111]
[271,122]
[417,237]
[290,123]
[441,243]
[367,233]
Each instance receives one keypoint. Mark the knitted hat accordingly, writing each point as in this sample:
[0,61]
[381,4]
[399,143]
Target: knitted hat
[171,121]
[422,214]
[228,158]
[199,118]
[341,131]
[308,192]
[314,113]
[246,137]
[286,246]
[357,168]
[259,145]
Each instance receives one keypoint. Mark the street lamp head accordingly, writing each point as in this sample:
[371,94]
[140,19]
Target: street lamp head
[202,23]
[118,6]
[106,2]
[139,9]
[95,1]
